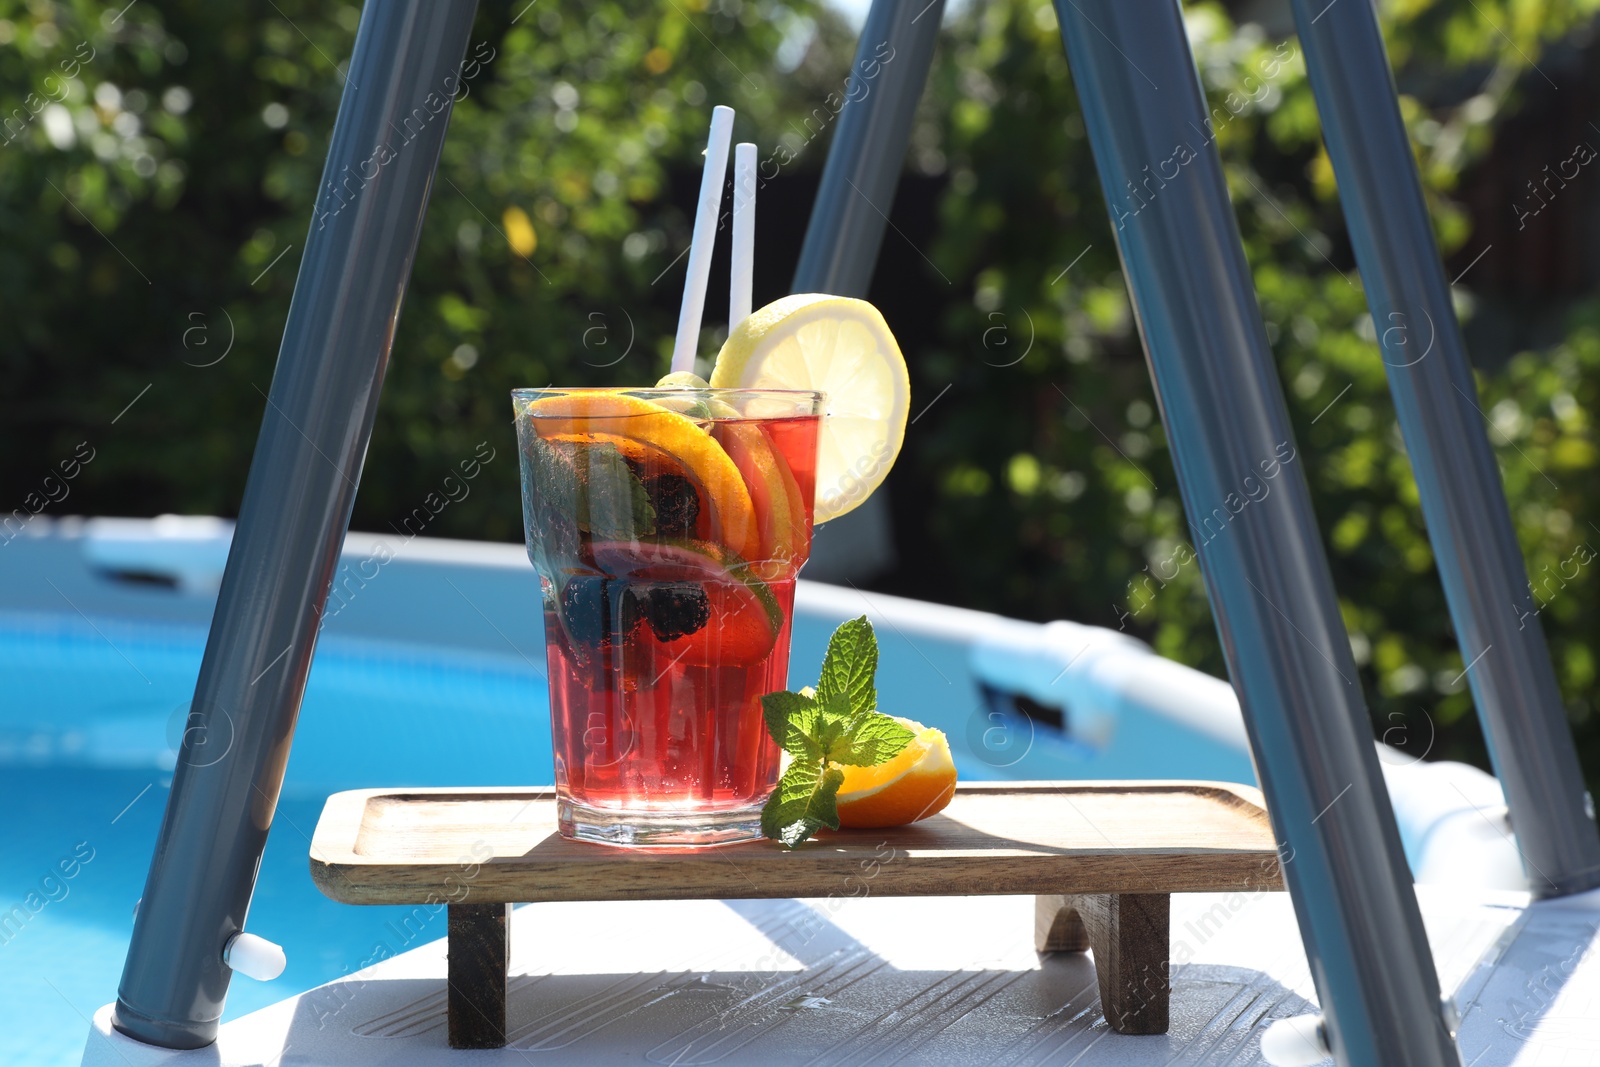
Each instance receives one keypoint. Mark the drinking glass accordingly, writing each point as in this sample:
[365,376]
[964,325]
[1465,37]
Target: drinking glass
[667,527]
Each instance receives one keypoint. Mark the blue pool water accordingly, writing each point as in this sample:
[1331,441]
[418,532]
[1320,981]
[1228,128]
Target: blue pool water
[92,712]
[90,721]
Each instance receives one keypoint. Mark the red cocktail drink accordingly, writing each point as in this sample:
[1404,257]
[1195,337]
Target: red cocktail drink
[668,527]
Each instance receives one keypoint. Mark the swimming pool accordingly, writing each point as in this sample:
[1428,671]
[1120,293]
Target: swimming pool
[88,733]
[430,674]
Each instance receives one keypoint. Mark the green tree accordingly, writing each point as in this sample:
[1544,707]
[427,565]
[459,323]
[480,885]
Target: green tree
[156,217]
[1054,491]
[157,172]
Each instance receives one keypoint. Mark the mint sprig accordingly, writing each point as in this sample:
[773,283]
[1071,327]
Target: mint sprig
[593,486]
[837,723]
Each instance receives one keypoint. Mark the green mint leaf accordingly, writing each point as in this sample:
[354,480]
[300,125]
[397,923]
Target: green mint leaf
[849,668]
[834,717]
[805,801]
[837,723]
[589,486]
[824,803]
[792,720]
[555,482]
[871,740]
[763,592]
[549,502]
[611,500]
[555,477]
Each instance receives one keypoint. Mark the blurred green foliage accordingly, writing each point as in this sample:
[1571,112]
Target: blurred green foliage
[156,213]
[1055,490]
[157,174]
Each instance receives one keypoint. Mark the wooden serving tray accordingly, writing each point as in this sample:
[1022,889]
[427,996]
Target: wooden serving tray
[1101,857]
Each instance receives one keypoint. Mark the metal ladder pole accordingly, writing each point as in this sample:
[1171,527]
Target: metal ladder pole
[1250,513]
[1481,565]
[403,75]
[869,148]
[848,217]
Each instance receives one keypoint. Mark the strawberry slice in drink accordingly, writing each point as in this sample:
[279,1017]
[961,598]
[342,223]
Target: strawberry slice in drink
[700,604]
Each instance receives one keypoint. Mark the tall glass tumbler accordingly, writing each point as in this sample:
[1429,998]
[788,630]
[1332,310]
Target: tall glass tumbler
[667,527]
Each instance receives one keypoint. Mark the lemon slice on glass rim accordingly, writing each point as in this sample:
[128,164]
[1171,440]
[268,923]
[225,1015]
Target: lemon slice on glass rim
[842,347]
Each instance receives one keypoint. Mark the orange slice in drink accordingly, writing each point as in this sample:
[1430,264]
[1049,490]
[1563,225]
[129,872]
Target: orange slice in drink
[917,783]
[646,455]
[780,510]
[618,415]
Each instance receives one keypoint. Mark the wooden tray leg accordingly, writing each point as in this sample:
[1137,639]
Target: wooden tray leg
[1129,933]
[1056,926]
[479,950]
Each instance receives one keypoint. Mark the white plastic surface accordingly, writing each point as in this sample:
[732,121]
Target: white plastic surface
[254,957]
[1535,1001]
[848,980]
[1452,816]
[1100,672]
[1294,1042]
[1453,823]
[192,550]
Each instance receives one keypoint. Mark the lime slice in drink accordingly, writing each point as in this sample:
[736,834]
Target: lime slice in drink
[842,347]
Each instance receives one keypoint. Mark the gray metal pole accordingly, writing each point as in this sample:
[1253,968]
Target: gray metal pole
[404,72]
[869,148]
[1480,563]
[1250,513]
[848,218]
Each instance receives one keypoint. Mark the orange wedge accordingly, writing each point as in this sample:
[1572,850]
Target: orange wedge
[647,456]
[917,783]
[619,415]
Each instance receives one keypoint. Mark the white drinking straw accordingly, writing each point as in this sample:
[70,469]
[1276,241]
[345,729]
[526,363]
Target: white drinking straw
[705,233]
[744,233]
